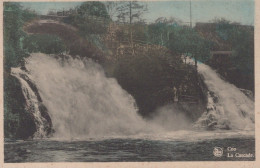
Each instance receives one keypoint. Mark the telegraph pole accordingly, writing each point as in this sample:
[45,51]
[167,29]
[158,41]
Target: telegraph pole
[195,55]
[190,15]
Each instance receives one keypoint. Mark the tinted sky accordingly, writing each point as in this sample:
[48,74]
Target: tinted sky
[202,10]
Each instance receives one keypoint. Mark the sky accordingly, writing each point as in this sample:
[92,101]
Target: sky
[241,11]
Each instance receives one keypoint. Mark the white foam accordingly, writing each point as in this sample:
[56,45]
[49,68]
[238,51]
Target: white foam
[232,104]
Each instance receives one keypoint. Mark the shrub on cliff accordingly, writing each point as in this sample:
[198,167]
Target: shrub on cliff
[44,43]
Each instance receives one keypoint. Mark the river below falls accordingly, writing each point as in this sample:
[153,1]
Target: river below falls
[128,149]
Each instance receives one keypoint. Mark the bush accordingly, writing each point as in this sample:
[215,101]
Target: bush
[44,43]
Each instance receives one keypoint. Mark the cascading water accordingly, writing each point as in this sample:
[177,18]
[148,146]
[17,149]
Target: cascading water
[32,102]
[228,107]
[81,100]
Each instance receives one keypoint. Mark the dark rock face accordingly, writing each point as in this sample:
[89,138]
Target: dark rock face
[151,81]
[18,123]
[27,126]
[48,126]
[43,110]
[24,126]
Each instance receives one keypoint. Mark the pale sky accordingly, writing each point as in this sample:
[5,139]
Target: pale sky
[241,11]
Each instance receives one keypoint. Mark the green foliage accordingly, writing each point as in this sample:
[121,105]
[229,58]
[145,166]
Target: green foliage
[239,69]
[159,33]
[140,32]
[28,15]
[241,39]
[93,8]
[91,26]
[15,116]
[13,22]
[13,54]
[186,40]
[244,51]
[44,43]
[130,11]
[91,18]
[14,18]
[179,39]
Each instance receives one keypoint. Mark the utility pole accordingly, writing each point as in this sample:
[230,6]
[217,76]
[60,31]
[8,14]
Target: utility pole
[131,31]
[195,55]
[190,15]
[130,8]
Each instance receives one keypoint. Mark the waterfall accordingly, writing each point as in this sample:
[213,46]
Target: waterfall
[33,103]
[81,100]
[228,107]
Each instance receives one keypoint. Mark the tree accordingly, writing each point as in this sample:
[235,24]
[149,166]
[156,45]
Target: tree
[185,40]
[241,39]
[51,12]
[111,7]
[14,18]
[131,11]
[91,18]
[93,8]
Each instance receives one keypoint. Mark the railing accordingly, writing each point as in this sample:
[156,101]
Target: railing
[188,99]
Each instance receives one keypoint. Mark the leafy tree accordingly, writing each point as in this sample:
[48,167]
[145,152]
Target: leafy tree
[111,7]
[241,40]
[93,8]
[91,18]
[158,33]
[13,21]
[185,40]
[140,32]
[160,30]
[130,12]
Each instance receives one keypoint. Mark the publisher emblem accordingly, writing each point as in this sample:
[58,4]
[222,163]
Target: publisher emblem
[217,151]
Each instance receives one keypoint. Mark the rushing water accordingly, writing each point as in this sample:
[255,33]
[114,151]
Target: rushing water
[116,149]
[32,102]
[232,105]
[96,120]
